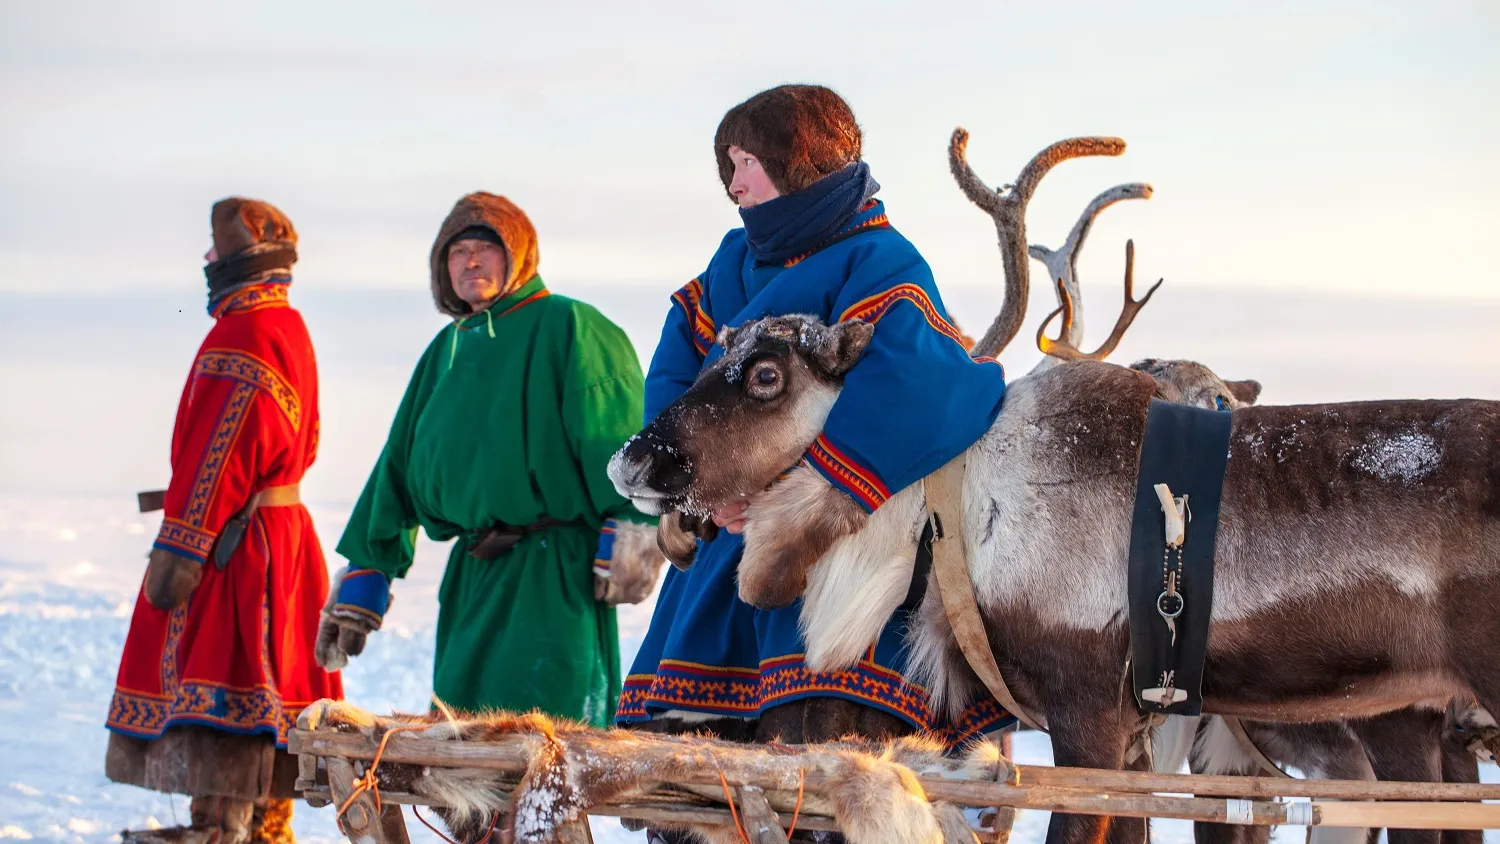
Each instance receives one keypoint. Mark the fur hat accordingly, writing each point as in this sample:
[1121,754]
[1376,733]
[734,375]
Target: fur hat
[240,223]
[505,219]
[800,133]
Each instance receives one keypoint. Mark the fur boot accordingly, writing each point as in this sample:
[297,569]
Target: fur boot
[271,822]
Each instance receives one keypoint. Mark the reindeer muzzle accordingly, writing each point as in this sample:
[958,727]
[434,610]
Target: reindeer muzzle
[652,472]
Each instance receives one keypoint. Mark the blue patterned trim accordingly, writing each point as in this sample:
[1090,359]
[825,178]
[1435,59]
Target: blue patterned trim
[605,555]
[184,540]
[365,592]
[748,692]
[248,711]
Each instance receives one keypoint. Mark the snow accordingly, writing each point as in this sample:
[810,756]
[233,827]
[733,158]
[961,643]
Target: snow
[1406,457]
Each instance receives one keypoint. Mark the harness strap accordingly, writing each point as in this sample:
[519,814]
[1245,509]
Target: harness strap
[944,490]
[1247,744]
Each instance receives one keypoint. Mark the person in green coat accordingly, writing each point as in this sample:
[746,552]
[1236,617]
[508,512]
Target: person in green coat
[501,442]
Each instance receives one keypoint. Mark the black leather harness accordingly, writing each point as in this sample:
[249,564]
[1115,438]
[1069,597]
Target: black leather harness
[1171,591]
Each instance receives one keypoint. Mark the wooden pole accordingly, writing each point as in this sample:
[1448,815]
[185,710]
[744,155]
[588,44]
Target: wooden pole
[1264,787]
[761,824]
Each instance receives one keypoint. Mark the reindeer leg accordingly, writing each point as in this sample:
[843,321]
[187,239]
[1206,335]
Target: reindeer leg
[1404,746]
[1088,732]
[1459,765]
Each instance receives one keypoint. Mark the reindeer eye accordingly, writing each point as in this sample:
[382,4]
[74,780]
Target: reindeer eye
[1221,403]
[765,381]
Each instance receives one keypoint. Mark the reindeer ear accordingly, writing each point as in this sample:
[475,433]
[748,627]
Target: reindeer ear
[841,346]
[726,336]
[1245,392]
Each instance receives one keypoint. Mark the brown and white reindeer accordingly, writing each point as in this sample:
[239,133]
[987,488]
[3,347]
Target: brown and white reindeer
[1357,562]
[1411,745]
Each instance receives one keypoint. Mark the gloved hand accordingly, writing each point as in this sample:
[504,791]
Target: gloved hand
[627,564]
[170,578]
[357,602]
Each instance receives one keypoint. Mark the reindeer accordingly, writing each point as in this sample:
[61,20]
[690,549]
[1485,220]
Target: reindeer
[1407,745]
[1358,552]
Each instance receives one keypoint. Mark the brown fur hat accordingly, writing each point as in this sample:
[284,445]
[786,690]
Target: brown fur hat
[240,223]
[800,133]
[508,221]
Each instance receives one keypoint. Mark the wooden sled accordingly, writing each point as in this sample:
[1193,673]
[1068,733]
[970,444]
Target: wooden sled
[502,775]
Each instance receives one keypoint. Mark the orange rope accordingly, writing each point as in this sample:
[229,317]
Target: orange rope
[367,782]
[439,834]
[797,810]
[729,798]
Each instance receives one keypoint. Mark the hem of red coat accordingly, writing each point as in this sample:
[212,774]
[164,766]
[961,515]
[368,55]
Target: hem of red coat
[147,735]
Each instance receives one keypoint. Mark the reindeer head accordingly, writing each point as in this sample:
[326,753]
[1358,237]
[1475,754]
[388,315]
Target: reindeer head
[1191,383]
[747,418]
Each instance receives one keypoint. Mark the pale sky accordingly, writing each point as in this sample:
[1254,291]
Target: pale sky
[1324,146]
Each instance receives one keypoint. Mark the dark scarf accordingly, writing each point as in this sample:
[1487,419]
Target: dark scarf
[254,265]
[801,221]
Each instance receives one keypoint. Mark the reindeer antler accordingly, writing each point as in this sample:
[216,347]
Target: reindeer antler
[1064,349]
[1063,263]
[1008,208]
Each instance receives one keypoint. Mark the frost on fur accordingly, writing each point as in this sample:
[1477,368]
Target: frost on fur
[872,788]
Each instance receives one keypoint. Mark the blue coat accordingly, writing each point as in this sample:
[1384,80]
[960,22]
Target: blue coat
[915,401]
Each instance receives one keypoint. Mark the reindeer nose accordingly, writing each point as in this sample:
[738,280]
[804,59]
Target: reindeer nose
[669,475]
[649,465]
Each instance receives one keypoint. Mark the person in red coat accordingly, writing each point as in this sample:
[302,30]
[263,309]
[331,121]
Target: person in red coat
[219,658]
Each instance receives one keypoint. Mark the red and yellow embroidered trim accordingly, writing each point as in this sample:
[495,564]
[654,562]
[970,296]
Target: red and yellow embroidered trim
[182,538]
[249,369]
[690,298]
[862,482]
[871,309]
[216,455]
[254,298]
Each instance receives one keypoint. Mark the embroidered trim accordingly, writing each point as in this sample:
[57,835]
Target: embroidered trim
[256,297]
[258,710]
[747,692]
[605,555]
[690,298]
[365,592]
[864,484]
[248,369]
[879,221]
[216,454]
[874,307]
[182,538]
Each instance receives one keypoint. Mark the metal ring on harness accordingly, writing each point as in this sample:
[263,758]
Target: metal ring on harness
[1161,609]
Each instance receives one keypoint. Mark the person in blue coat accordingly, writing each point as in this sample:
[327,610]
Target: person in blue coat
[815,241]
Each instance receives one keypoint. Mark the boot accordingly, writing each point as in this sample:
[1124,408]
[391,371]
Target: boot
[230,817]
[272,822]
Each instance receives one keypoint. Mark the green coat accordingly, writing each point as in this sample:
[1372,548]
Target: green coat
[511,416]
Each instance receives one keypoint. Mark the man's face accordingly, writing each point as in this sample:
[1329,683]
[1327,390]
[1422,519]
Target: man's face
[479,271]
[750,185]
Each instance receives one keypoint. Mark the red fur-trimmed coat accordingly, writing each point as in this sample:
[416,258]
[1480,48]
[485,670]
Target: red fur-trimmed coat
[237,656]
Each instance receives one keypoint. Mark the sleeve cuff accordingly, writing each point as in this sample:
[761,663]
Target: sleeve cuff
[847,475]
[605,554]
[365,592]
[184,540]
